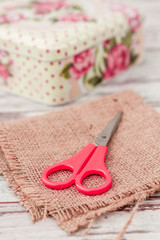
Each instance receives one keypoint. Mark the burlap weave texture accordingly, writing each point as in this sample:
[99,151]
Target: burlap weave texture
[30,145]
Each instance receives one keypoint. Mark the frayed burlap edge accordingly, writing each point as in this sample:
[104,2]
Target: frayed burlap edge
[39,208]
[83,220]
[36,211]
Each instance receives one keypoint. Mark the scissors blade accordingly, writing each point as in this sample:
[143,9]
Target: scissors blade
[105,136]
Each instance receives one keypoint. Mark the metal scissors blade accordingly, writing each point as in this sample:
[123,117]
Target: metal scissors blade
[106,134]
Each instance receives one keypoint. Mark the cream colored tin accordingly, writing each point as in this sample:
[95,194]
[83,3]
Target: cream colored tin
[54,51]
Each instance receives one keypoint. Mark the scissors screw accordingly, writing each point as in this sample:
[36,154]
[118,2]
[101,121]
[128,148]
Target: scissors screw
[104,136]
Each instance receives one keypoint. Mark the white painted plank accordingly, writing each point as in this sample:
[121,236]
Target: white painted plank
[145,225]
[6,193]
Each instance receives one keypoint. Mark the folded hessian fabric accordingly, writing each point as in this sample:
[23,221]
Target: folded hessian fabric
[28,146]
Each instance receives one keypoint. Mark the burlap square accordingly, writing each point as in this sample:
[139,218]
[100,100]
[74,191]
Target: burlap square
[30,145]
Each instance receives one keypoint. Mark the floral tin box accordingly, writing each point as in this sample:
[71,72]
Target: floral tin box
[54,51]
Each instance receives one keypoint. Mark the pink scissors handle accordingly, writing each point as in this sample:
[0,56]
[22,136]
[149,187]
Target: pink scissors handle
[89,161]
[74,164]
[95,166]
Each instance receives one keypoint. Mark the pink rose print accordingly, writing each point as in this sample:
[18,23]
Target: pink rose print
[3,19]
[82,62]
[9,8]
[11,18]
[130,13]
[4,73]
[118,59]
[74,17]
[48,6]
[3,54]
[106,43]
[10,62]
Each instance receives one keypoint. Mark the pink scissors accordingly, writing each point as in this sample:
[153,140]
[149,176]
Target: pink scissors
[90,160]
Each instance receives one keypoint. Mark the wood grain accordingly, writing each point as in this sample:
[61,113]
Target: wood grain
[15,222]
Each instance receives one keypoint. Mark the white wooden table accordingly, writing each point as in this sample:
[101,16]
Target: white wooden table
[15,222]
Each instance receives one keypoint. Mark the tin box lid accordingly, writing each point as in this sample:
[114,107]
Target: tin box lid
[52,30]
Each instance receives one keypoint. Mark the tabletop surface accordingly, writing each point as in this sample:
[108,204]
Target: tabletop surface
[15,222]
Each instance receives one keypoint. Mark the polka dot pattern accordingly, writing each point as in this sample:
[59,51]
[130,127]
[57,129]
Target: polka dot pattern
[37,82]
[62,41]
[39,52]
